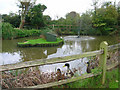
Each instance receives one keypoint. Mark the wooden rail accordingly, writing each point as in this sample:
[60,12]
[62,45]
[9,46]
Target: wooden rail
[54,60]
[104,48]
[113,47]
[73,79]
[63,81]
[47,61]
[65,27]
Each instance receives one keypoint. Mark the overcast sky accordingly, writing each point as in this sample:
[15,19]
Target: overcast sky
[54,7]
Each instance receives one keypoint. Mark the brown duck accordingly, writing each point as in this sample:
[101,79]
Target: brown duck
[69,71]
[88,68]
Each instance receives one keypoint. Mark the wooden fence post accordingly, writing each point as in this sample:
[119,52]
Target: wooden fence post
[103,59]
[53,27]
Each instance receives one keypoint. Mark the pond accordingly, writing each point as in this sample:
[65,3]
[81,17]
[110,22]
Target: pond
[12,54]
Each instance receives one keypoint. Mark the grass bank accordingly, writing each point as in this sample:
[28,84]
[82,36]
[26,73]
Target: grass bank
[40,42]
[112,81]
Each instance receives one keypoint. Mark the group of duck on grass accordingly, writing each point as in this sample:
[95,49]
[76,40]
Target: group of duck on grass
[33,77]
[69,72]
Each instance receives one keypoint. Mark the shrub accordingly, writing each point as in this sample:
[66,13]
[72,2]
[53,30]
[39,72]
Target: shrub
[27,33]
[7,31]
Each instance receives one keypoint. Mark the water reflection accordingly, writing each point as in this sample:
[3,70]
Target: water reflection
[36,53]
[69,48]
[13,54]
[10,58]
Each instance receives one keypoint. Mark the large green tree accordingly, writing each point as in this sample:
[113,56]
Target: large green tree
[86,22]
[72,18]
[12,18]
[47,19]
[105,19]
[36,15]
[25,5]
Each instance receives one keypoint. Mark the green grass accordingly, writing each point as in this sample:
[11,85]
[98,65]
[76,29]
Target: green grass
[40,42]
[112,81]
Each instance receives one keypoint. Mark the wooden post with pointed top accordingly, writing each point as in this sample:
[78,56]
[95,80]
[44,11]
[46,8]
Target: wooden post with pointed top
[103,59]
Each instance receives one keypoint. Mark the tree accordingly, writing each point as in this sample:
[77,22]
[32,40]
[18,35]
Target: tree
[86,22]
[61,21]
[118,9]
[47,19]
[25,5]
[72,18]
[105,19]
[36,15]
[12,18]
[95,5]
[106,4]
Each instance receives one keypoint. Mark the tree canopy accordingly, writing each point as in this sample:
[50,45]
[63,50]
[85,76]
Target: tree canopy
[36,15]
[102,20]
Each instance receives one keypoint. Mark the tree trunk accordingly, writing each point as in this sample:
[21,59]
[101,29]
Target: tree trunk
[23,16]
[22,24]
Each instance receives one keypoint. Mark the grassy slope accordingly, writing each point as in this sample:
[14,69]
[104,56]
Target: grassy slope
[40,41]
[95,82]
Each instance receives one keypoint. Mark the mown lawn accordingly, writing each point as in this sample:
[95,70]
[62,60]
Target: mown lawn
[112,81]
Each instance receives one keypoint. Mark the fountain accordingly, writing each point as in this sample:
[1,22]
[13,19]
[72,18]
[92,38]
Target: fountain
[78,37]
[79,28]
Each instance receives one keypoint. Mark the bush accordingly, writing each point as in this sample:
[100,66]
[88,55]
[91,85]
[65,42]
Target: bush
[27,33]
[58,31]
[7,31]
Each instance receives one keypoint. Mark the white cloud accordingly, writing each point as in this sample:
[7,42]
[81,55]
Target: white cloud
[54,7]
[62,7]
[7,6]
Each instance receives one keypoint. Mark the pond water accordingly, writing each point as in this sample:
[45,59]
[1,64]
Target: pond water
[12,54]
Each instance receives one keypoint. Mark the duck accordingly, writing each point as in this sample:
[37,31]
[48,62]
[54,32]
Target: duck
[59,74]
[88,68]
[69,71]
